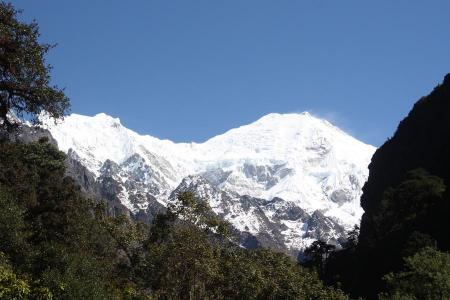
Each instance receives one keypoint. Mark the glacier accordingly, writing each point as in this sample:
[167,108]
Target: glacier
[283,172]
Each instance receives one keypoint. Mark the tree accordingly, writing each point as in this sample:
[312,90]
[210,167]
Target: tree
[11,287]
[317,254]
[352,238]
[24,75]
[182,260]
[426,276]
[49,231]
[409,205]
[13,233]
[190,256]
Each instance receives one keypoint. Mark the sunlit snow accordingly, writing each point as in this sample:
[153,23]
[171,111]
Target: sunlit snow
[297,157]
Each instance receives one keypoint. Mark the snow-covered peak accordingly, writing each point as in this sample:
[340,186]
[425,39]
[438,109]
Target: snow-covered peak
[95,139]
[274,137]
[297,157]
[106,119]
[286,137]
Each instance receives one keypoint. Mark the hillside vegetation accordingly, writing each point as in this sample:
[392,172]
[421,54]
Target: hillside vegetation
[56,243]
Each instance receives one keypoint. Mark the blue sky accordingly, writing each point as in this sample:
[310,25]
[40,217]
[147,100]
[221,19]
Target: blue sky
[189,70]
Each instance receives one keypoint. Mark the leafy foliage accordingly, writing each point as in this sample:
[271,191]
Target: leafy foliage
[409,203]
[426,276]
[24,75]
[195,257]
[317,254]
[11,287]
[48,228]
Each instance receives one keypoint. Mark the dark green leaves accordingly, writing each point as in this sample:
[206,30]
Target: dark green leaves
[24,75]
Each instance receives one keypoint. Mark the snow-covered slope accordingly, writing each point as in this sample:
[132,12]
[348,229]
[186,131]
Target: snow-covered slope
[304,161]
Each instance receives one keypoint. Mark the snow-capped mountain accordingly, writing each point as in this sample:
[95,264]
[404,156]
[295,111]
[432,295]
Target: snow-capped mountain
[292,178]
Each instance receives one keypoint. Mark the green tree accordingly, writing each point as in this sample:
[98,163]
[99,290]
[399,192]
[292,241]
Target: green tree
[13,232]
[426,276]
[316,255]
[186,264]
[352,239]
[194,210]
[409,204]
[14,287]
[416,242]
[11,287]
[189,258]
[24,75]
[182,260]
[56,239]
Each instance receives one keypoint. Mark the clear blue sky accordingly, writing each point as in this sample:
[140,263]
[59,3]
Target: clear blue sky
[188,70]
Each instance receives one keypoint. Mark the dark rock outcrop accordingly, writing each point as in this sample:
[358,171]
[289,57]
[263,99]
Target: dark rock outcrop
[421,143]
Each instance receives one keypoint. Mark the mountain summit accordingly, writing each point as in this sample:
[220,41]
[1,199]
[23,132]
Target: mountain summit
[281,172]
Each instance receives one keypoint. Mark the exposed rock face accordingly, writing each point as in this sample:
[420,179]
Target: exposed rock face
[87,181]
[270,223]
[320,227]
[27,134]
[82,176]
[129,181]
[341,196]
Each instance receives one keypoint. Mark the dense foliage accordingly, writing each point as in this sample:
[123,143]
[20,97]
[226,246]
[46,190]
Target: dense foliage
[426,275]
[55,243]
[47,229]
[24,76]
